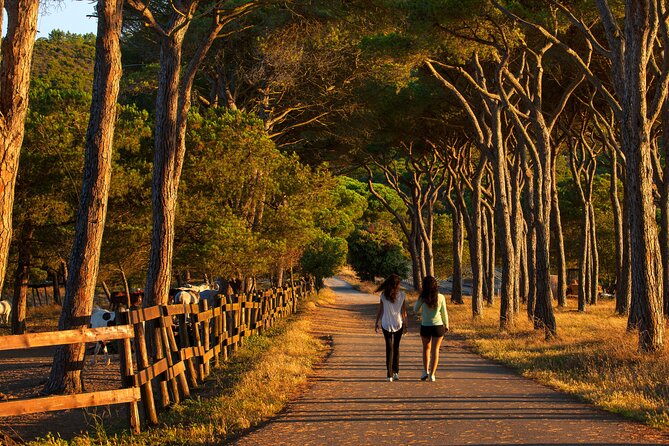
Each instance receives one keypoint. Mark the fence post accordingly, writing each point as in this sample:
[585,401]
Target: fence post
[170,349]
[206,326]
[127,372]
[143,363]
[185,342]
[216,324]
[163,352]
[224,329]
[240,320]
[198,344]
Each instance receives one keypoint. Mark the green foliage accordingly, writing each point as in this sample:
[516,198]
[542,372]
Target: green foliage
[347,207]
[244,207]
[323,257]
[49,177]
[377,252]
[571,211]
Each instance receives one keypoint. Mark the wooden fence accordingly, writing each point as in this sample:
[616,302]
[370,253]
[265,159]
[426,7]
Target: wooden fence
[186,339]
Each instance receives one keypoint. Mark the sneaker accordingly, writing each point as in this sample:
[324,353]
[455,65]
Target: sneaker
[396,376]
[433,378]
[389,379]
[424,376]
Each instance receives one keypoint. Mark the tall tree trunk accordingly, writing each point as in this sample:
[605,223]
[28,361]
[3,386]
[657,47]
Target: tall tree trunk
[646,264]
[56,287]
[21,279]
[594,259]
[559,243]
[456,291]
[65,374]
[543,197]
[427,228]
[583,289]
[167,166]
[476,245]
[490,264]
[524,269]
[503,223]
[624,290]
[16,57]
[415,265]
[616,209]
[531,244]
[485,235]
[664,211]
[519,230]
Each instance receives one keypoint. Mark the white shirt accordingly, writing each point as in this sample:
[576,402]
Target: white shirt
[392,312]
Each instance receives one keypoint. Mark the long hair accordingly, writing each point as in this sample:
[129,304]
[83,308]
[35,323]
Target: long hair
[390,287]
[430,291]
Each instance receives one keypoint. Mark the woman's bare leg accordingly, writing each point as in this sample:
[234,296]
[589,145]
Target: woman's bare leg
[436,343]
[426,352]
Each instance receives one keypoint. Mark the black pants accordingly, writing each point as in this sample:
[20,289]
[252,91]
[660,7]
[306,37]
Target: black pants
[393,339]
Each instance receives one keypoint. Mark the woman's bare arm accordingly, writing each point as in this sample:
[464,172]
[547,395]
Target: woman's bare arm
[378,316]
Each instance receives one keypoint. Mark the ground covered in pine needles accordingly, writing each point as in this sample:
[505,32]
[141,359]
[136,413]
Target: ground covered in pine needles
[253,386]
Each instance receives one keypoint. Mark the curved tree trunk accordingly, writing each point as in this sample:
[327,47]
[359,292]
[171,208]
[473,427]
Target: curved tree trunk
[490,260]
[594,259]
[503,223]
[624,299]
[583,289]
[531,244]
[485,236]
[16,51]
[456,291]
[543,314]
[476,246]
[524,287]
[65,374]
[559,243]
[664,211]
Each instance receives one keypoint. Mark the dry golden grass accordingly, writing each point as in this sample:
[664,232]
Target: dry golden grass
[38,319]
[593,357]
[252,387]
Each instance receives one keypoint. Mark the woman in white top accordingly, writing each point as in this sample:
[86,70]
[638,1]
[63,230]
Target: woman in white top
[393,315]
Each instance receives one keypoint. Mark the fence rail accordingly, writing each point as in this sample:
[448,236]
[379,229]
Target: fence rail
[186,340]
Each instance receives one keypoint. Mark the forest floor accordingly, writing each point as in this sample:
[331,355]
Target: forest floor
[473,400]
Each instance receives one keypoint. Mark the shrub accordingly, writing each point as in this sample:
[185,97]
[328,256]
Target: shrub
[376,251]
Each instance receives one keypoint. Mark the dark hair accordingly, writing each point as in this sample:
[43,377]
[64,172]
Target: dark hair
[430,291]
[390,287]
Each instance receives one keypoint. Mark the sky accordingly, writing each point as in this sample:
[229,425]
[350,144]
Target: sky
[66,15]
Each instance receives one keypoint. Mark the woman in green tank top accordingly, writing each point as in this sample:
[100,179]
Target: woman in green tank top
[434,324]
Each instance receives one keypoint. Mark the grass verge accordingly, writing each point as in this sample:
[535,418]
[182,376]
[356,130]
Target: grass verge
[594,358]
[253,386]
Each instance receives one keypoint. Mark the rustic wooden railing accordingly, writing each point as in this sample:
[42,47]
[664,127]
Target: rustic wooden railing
[186,339]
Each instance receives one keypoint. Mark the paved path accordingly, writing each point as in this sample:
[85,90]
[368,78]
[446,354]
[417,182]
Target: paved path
[473,401]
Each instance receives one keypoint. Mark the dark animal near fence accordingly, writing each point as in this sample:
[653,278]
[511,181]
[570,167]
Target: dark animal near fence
[119,299]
